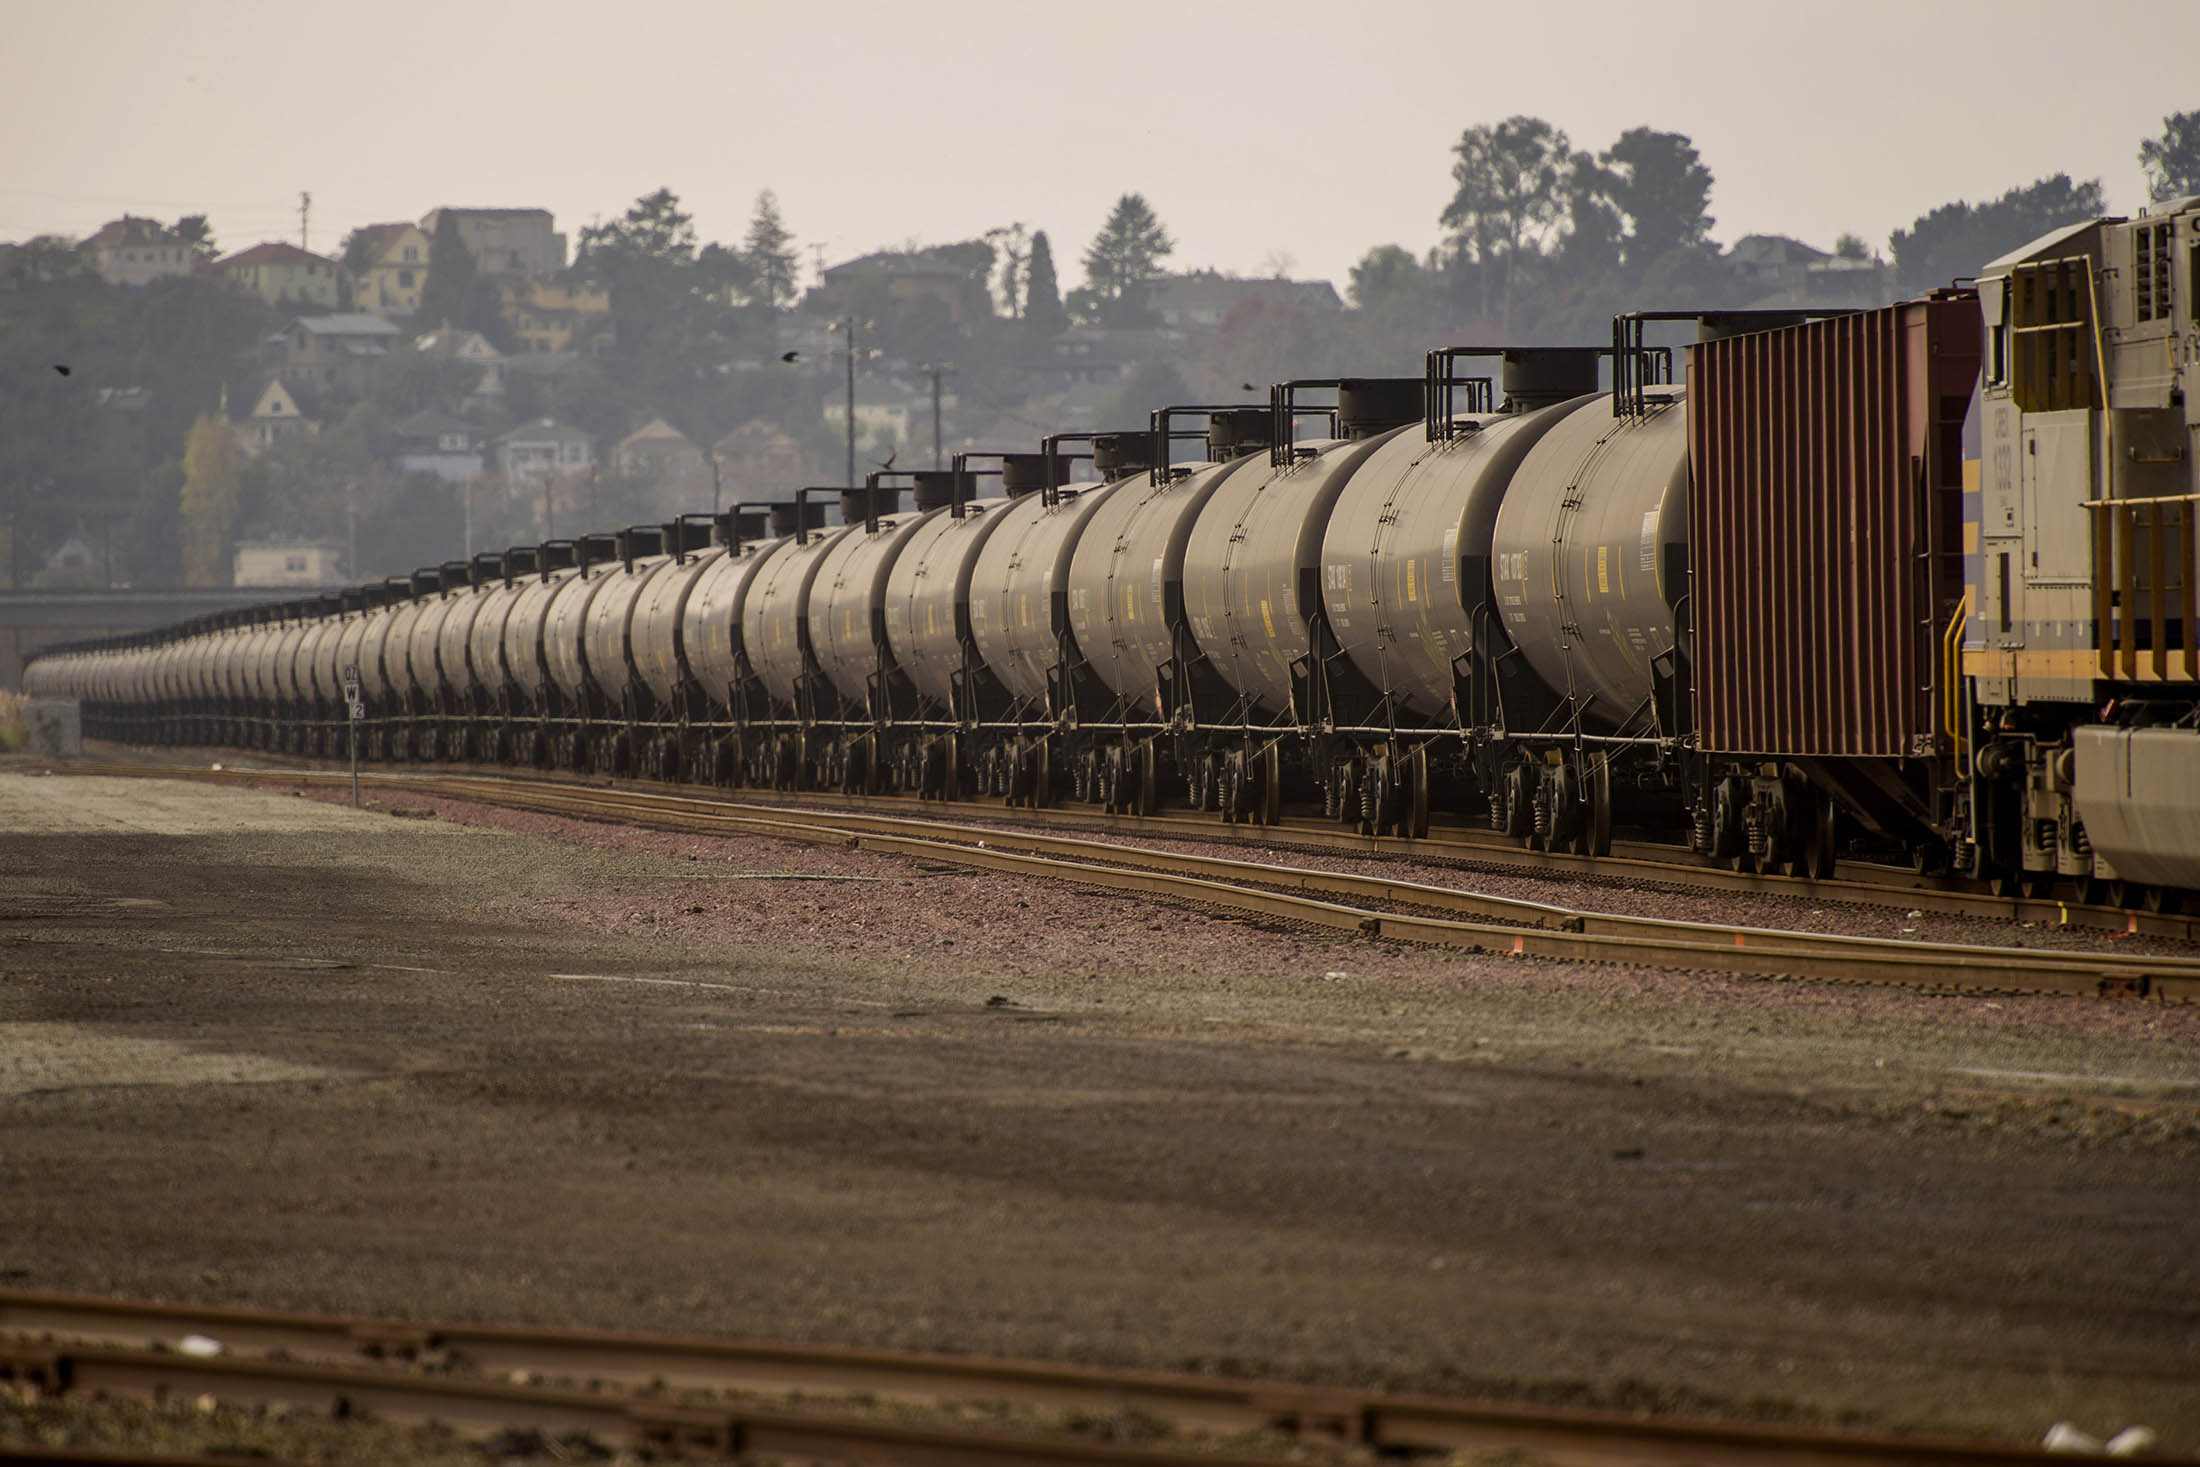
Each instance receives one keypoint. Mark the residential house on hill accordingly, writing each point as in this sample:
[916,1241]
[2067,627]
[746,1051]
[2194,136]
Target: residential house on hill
[287,563]
[341,352]
[395,268]
[133,251]
[544,449]
[663,455]
[1779,272]
[471,349]
[761,461]
[279,410]
[431,442]
[949,274]
[1098,355]
[558,315]
[1201,299]
[505,243]
[284,275]
[884,411]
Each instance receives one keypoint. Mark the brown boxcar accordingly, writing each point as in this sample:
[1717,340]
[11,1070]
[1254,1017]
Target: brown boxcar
[1826,531]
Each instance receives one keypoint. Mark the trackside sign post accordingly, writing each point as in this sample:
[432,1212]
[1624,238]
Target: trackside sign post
[358,714]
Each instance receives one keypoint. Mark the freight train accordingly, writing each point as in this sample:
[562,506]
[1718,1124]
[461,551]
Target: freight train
[1764,606]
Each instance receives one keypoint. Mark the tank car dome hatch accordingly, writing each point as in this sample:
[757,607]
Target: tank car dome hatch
[1596,518]
[1537,377]
[933,488]
[1234,432]
[1367,406]
[1119,455]
[1026,473]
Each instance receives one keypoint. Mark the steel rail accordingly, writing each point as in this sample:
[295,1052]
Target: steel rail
[1648,862]
[478,1364]
[1559,933]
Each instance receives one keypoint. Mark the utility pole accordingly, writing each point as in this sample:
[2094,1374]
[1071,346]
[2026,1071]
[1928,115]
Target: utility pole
[848,327]
[466,500]
[716,483]
[305,213]
[936,370]
[351,524]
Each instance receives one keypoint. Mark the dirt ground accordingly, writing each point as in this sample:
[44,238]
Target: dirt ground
[262,1049]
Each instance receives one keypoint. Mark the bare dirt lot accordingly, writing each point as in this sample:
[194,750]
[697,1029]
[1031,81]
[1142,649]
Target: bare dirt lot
[262,1049]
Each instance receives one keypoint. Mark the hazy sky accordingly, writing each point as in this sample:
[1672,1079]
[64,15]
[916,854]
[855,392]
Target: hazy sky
[1258,132]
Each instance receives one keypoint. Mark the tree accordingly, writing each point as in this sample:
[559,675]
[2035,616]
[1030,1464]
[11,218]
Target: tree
[1009,241]
[1379,275]
[769,253]
[1122,259]
[1957,239]
[449,296]
[208,503]
[1851,247]
[1658,181]
[1509,193]
[1149,385]
[655,228]
[2172,161]
[194,231]
[1043,313]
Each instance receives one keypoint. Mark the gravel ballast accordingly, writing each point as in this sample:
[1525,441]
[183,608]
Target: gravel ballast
[268,1050]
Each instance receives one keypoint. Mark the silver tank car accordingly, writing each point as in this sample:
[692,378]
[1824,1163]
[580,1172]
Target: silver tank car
[1126,576]
[713,623]
[606,633]
[655,635]
[928,591]
[775,611]
[486,671]
[523,630]
[1581,549]
[1017,614]
[847,599]
[565,622]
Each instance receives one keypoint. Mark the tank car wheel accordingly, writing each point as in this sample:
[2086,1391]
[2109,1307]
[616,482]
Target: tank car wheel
[1597,837]
[1146,789]
[1414,822]
[2121,894]
[2163,899]
[2036,884]
[1042,776]
[1929,858]
[1567,825]
[2093,891]
[1519,797]
[1270,763]
[1728,840]
[2003,883]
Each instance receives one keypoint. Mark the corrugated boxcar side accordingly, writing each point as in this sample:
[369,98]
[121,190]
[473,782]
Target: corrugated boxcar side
[1825,505]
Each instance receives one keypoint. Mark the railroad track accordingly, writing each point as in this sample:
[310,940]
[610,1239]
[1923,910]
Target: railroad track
[695,1395]
[1463,846]
[1369,905]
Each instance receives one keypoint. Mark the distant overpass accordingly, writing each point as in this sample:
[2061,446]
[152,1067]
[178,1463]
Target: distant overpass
[33,619]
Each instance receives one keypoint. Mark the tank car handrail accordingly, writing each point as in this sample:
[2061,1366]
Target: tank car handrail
[1161,471]
[1284,413]
[1049,448]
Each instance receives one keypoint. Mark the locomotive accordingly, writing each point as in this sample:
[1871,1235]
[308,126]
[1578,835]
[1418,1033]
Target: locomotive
[1765,607]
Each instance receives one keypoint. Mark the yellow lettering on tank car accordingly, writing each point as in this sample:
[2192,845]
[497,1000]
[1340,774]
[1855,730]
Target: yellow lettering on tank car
[1411,594]
[1266,620]
[1604,570]
[1023,611]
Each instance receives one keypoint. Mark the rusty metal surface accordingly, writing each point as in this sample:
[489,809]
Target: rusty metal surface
[1824,568]
[324,1372]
